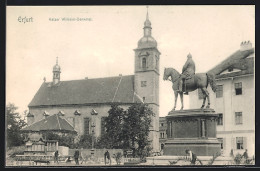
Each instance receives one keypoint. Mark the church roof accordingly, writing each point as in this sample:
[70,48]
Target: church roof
[239,63]
[51,123]
[118,89]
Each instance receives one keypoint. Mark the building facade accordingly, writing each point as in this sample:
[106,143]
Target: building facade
[86,102]
[234,101]
[163,132]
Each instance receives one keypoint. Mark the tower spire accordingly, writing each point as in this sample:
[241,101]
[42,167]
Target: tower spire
[56,72]
[147,14]
[147,25]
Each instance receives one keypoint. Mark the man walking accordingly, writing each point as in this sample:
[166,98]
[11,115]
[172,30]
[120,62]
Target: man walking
[76,156]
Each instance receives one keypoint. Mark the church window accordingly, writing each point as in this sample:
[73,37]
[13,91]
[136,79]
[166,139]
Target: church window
[143,83]
[86,126]
[144,63]
[238,88]
[103,128]
[219,92]
[238,118]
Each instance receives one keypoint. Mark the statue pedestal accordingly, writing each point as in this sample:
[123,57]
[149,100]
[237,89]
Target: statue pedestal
[193,129]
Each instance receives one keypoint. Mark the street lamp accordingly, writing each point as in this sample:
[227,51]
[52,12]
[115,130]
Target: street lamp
[93,125]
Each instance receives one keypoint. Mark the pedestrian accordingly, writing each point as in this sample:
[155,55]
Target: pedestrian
[192,157]
[107,156]
[56,156]
[76,156]
[245,154]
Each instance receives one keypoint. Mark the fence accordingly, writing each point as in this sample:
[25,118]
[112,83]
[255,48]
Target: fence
[98,153]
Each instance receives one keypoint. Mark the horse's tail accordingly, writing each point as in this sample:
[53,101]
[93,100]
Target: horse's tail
[212,81]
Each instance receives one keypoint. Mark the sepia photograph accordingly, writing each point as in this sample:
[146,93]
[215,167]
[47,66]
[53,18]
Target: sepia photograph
[130,85]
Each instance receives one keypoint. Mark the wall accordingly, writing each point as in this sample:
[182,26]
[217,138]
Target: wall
[102,112]
[228,105]
[97,152]
[79,120]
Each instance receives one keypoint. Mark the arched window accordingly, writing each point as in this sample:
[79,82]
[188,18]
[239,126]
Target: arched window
[144,63]
[156,64]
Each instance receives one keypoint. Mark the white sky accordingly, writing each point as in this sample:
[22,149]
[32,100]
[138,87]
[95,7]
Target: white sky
[104,46]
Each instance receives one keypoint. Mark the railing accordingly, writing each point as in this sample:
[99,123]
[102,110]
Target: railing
[39,157]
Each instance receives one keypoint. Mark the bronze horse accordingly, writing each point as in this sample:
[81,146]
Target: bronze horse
[200,80]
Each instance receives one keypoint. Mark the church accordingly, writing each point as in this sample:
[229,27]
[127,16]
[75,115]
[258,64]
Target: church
[84,103]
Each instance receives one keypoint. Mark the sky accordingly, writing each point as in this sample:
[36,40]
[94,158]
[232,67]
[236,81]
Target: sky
[102,45]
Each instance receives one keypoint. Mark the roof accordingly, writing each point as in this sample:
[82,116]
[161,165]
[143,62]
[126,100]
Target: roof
[51,123]
[237,60]
[118,89]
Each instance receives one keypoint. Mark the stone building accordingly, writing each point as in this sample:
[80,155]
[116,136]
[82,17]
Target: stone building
[86,102]
[162,130]
[234,100]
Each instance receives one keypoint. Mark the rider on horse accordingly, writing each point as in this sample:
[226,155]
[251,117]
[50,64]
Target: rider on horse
[188,72]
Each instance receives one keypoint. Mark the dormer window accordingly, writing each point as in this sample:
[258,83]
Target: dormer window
[230,69]
[144,63]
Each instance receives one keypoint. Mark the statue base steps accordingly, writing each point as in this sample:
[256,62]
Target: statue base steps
[169,160]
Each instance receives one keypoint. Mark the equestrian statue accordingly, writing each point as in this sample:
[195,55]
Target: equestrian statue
[189,81]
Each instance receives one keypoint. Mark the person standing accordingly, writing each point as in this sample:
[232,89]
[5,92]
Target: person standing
[107,156]
[56,156]
[76,156]
[245,155]
[192,157]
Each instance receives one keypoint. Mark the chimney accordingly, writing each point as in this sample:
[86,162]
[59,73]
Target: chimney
[246,45]
[61,114]
[45,114]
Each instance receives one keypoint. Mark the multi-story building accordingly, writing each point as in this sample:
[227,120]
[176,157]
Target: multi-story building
[234,101]
[162,131]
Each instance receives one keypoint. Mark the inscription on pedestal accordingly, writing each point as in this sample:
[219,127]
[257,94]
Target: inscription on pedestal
[193,129]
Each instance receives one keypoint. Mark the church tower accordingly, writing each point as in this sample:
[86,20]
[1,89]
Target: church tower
[56,73]
[147,72]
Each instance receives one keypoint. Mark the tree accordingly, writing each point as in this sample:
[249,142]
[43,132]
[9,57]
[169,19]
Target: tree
[14,125]
[136,125]
[85,141]
[113,127]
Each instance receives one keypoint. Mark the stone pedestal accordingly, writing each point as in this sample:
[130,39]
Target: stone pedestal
[193,129]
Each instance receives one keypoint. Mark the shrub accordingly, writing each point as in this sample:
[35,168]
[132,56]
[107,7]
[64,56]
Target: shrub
[118,156]
[238,159]
[18,150]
